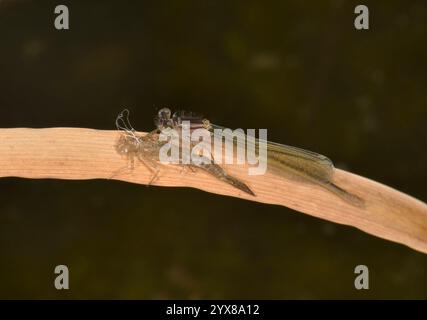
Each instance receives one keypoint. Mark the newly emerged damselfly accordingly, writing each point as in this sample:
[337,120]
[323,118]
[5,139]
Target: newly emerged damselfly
[283,160]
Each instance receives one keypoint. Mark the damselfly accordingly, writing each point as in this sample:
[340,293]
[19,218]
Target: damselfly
[283,160]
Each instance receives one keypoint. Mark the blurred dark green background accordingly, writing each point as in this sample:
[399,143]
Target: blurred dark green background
[297,68]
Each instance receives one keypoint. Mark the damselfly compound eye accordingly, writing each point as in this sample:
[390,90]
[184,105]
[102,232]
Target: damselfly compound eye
[165,113]
[163,118]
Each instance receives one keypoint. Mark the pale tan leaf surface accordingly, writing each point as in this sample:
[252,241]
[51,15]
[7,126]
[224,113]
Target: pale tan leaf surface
[77,153]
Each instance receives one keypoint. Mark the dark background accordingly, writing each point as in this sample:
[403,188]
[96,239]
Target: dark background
[297,68]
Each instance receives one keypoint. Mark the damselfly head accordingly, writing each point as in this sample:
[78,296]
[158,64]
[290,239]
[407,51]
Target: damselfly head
[163,119]
[165,113]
